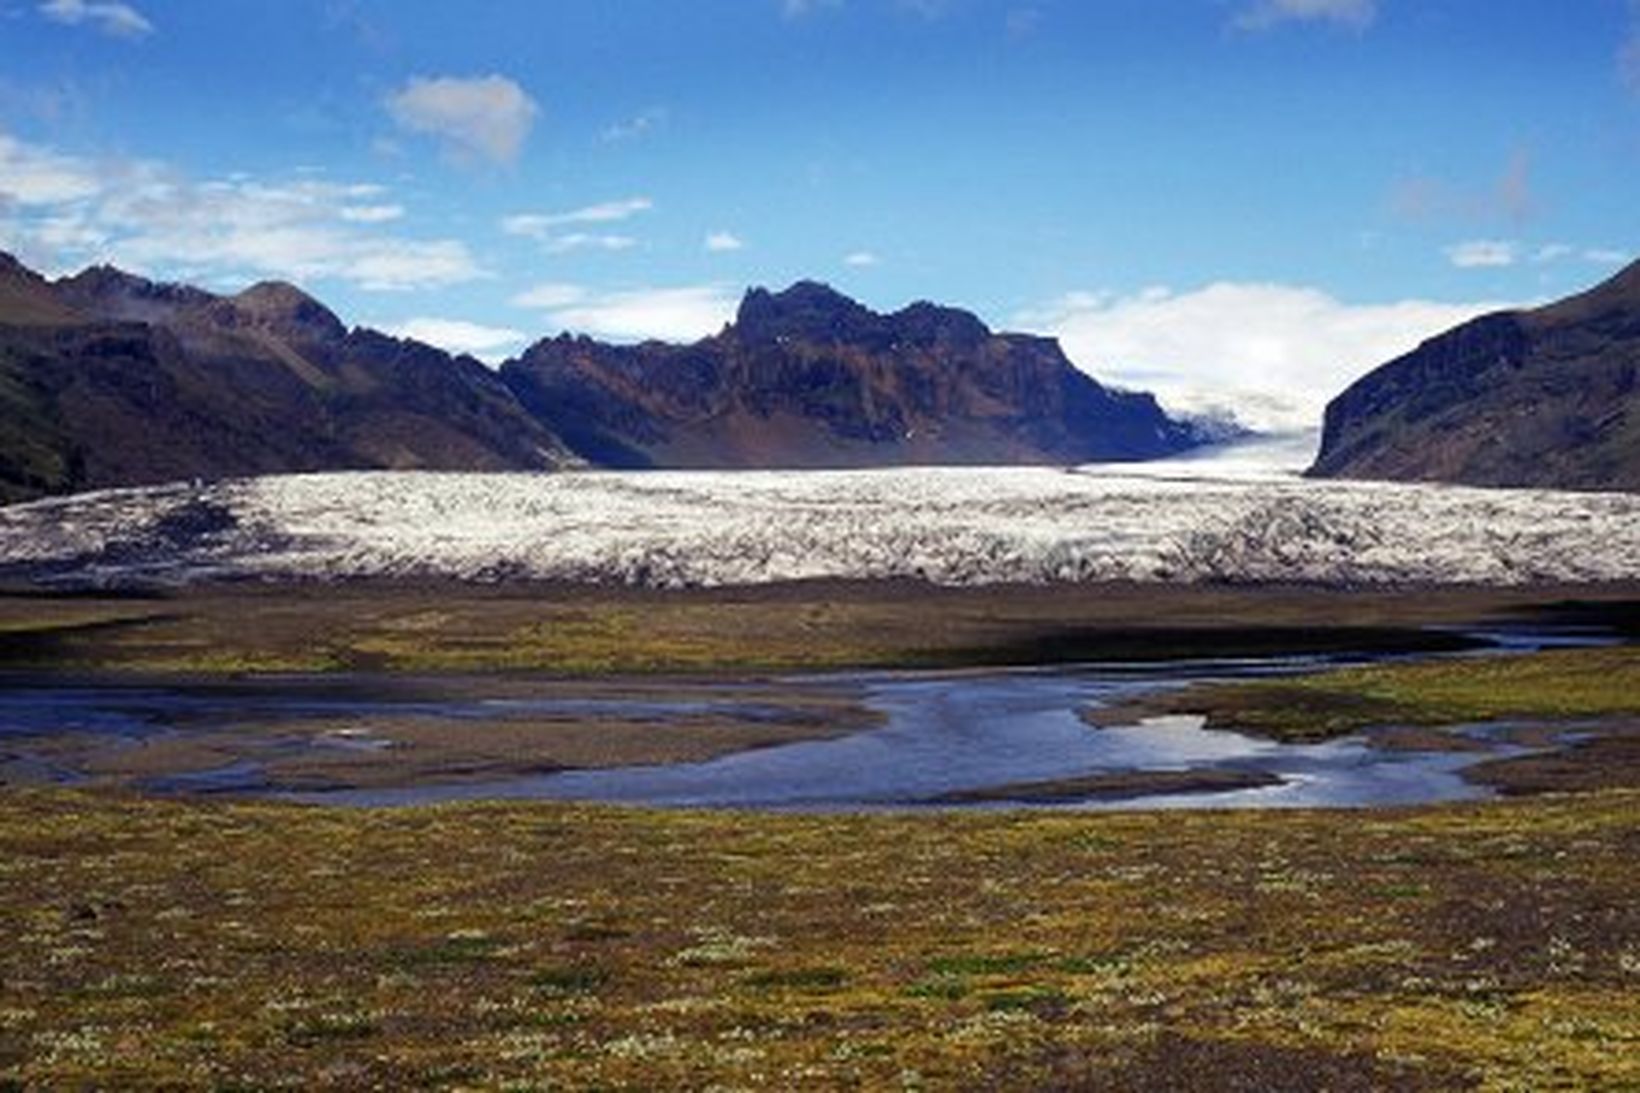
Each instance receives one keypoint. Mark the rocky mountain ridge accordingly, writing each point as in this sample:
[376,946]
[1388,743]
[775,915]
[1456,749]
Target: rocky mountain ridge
[810,378]
[1548,397]
[107,379]
[110,379]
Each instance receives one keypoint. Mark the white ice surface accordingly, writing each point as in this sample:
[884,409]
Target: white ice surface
[1181,520]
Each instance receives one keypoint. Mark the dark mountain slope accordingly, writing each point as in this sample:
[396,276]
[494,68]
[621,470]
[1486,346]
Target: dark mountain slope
[1548,397]
[810,378]
[110,379]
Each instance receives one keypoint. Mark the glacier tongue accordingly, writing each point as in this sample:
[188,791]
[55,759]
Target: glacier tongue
[1174,522]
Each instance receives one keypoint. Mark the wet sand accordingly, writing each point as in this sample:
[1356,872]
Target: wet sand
[304,733]
[1607,757]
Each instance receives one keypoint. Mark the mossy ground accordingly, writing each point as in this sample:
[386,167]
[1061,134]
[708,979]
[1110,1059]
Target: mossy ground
[214,945]
[546,946]
[1561,685]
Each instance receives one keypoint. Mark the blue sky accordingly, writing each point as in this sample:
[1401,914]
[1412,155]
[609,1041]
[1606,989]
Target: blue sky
[1236,202]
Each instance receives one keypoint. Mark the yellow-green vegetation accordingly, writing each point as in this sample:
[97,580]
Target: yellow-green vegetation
[1558,685]
[153,943]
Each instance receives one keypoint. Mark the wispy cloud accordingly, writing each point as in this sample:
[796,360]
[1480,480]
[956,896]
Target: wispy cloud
[1264,14]
[546,228]
[549,295]
[574,241]
[1508,198]
[33,176]
[924,9]
[114,19]
[371,214]
[459,336]
[639,125]
[542,225]
[720,242]
[1022,22]
[796,9]
[475,119]
[1273,353]
[1598,256]
[62,210]
[680,314]
[861,259]
[1483,253]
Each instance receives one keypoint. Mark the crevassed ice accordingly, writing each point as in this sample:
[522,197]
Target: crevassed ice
[947,525]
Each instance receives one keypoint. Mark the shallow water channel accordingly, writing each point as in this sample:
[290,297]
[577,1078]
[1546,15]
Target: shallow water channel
[953,739]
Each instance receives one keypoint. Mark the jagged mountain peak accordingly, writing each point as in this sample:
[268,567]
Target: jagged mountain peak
[26,297]
[812,311]
[808,377]
[11,268]
[806,311]
[282,308]
[113,379]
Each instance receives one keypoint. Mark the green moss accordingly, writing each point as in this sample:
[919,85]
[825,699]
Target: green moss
[1562,684]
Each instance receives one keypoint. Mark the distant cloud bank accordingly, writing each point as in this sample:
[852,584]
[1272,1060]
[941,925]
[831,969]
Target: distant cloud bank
[1272,353]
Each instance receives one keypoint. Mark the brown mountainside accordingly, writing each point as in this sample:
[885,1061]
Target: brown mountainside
[1548,397]
[110,379]
[810,378]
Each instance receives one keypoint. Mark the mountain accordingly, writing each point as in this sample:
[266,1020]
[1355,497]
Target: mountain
[809,378]
[1548,397]
[110,379]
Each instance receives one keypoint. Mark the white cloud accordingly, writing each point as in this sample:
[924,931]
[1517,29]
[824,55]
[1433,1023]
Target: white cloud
[151,218]
[1600,256]
[723,241]
[574,241]
[371,214]
[861,259]
[549,295]
[116,19]
[544,227]
[541,225]
[669,314]
[458,335]
[1482,254]
[482,118]
[1272,353]
[30,175]
[1263,14]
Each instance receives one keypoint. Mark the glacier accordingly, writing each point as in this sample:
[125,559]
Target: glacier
[1170,521]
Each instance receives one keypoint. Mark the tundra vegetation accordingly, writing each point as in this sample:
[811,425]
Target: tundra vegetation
[232,944]
[213,945]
